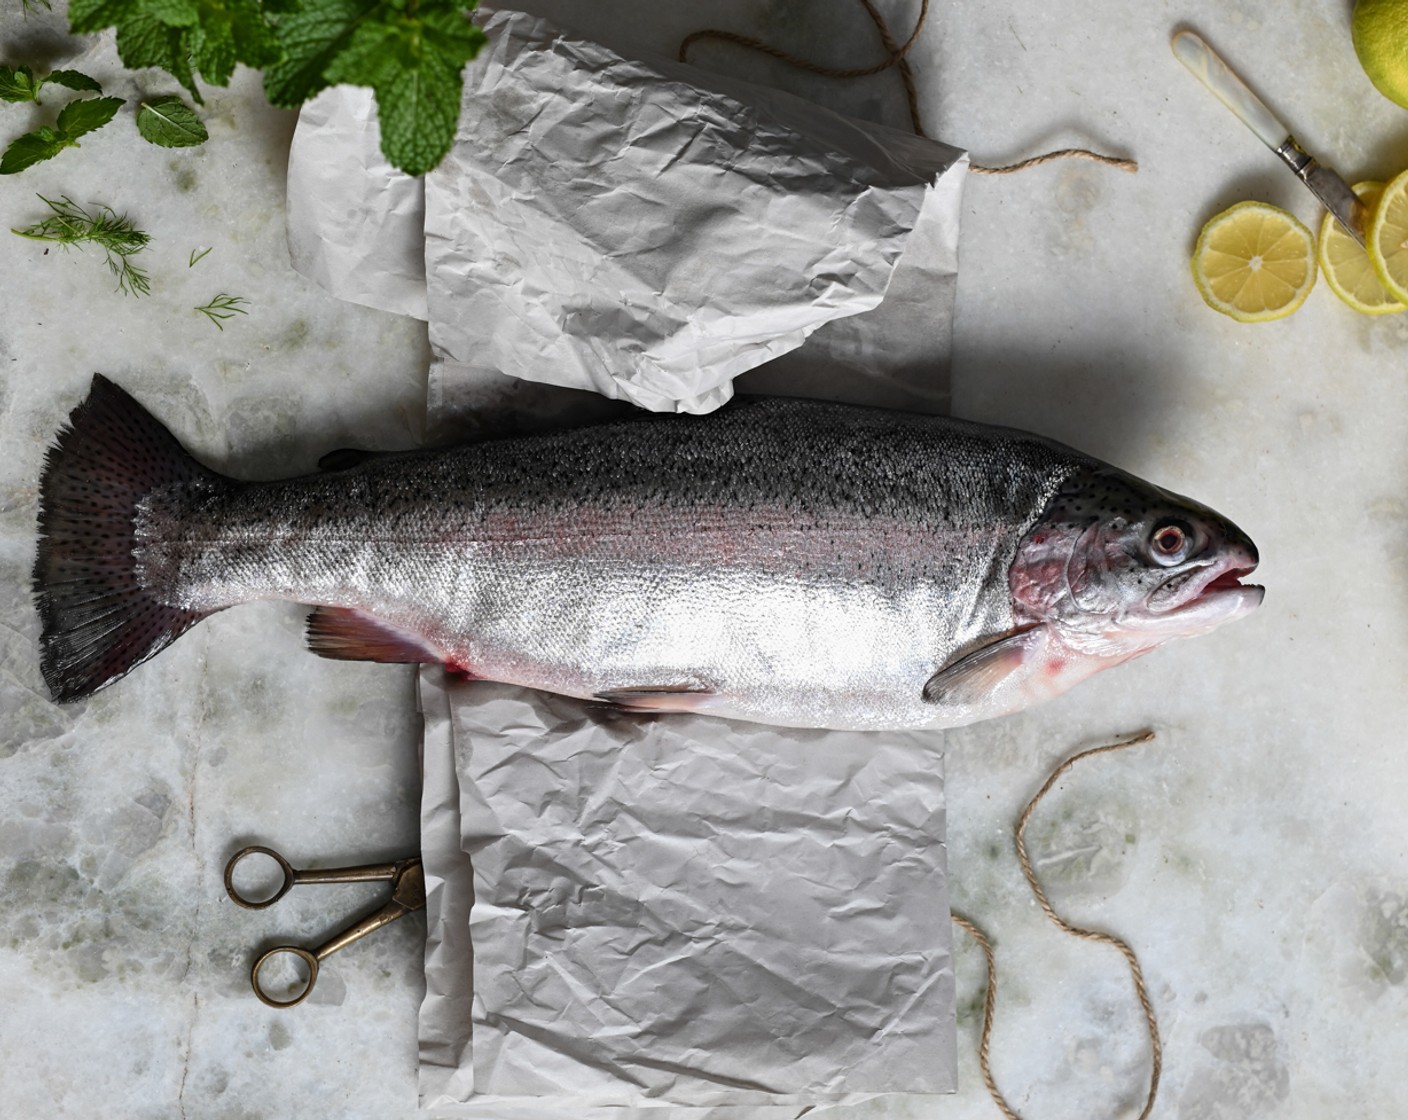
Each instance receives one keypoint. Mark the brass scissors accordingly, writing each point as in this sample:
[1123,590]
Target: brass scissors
[407,880]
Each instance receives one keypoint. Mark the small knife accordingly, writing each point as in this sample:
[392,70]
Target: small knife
[1328,187]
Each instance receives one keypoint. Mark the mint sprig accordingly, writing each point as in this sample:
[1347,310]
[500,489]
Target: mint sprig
[410,52]
[20,84]
[77,118]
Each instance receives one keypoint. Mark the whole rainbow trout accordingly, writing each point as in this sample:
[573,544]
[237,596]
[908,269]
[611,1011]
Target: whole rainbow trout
[790,562]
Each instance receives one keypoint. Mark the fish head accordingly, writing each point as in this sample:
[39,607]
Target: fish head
[1117,566]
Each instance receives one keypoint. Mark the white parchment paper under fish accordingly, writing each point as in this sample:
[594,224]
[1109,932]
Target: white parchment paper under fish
[679,910]
[611,224]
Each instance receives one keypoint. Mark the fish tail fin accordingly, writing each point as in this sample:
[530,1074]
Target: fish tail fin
[99,620]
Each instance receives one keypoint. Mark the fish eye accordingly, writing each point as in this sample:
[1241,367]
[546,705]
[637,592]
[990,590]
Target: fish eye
[1169,542]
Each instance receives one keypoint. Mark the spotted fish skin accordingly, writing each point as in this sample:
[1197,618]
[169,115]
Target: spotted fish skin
[791,562]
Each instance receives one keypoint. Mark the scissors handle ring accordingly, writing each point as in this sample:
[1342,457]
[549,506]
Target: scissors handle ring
[303,954]
[240,900]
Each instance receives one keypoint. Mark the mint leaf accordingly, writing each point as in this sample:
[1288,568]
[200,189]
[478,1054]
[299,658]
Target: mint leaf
[145,41]
[80,117]
[169,122]
[254,37]
[94,15]
[31,148]
[213,50]
[231,31]
[413,64]
[75,119]
[173,13]
[18,84]
[73,79]
[418,110]
[312,36]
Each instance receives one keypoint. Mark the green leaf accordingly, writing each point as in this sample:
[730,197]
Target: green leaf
[418,110]
[173,13]
[213,50]
[311,36]
[450,32]
[80,117]
[168,122]
[144,41]
[73,79]
[94,15]
[254,35]
[17,84]
[414,65]
[31,148]
[231,31]
[371,54]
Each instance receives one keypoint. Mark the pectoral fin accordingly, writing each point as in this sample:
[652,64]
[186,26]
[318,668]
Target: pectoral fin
[972,679]
[665,698]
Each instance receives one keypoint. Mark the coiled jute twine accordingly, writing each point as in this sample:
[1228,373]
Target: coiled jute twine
[1141,991]
[896,57]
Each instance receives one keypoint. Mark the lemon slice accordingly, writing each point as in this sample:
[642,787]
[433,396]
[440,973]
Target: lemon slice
[1346,265]
[1387,238]
[1254,262]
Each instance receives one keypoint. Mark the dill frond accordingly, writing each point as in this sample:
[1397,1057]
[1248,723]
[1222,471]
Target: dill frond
[69,224]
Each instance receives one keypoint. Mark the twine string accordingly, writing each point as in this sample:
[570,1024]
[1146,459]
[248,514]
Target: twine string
[989,1005]
[896,56]
[1136,973]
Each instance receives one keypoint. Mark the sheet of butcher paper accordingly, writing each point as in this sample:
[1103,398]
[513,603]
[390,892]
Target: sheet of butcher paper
[644,230]
[677,910]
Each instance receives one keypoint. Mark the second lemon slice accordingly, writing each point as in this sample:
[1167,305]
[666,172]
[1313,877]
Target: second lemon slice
[1387,238]
[1346,264]
[1254,262]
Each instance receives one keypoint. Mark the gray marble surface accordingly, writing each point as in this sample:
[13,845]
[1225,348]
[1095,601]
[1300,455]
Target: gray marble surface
[1255,855]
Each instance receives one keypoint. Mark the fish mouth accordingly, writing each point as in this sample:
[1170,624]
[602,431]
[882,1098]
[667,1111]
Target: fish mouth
[1215,592]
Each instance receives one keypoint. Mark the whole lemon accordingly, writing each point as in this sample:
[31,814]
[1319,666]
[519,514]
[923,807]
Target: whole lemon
[1380,31]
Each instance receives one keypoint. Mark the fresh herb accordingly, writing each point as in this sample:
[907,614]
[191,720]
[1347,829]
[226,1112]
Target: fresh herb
[76,119]
[70,224]
[223,307]
[31,6]
[169,122]
[20,84]
[196,257]
[410,52]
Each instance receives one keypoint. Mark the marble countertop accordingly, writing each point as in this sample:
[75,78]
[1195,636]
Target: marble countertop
[1254,855]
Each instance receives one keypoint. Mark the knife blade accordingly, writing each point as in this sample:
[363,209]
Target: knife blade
[1332,191]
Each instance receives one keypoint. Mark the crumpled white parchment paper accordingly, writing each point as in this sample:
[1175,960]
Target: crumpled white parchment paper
[611,224]
[678,910]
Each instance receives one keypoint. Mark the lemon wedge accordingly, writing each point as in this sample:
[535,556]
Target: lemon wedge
[1387,238]
[1346,265]
[1254,262]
